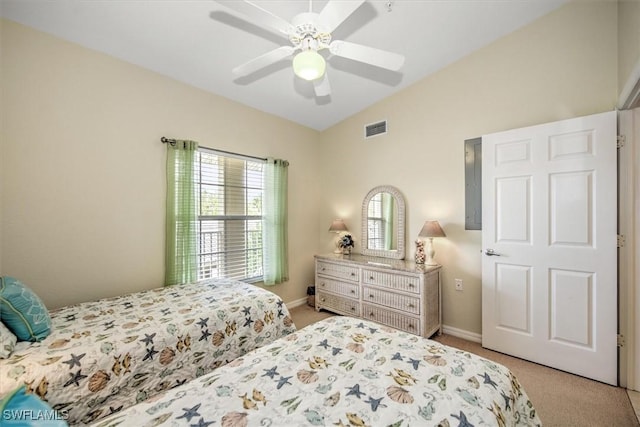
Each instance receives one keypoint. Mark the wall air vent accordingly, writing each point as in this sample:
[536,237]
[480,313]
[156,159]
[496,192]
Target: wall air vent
[375,129]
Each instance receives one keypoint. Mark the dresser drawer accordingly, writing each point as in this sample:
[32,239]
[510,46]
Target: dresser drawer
[342,288]
[405,303]
[391,318]
[390,280]
[338,271]
[337,304]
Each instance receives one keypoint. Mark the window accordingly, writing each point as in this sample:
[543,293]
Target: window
[375,223]
[229,196]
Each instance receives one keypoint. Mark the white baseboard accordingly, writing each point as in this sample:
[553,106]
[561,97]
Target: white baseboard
[296,303]
[461,333]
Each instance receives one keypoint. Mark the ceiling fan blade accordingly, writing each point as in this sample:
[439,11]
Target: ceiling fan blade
[258,15]
[369,55]
[263,60]
[322,86]
[336,12]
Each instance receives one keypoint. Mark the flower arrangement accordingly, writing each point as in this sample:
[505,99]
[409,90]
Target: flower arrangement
[346,242]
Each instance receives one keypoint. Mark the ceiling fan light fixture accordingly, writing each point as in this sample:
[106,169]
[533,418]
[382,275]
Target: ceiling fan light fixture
[309,65]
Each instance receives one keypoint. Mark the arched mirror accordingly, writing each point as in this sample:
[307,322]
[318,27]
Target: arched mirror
[383,223]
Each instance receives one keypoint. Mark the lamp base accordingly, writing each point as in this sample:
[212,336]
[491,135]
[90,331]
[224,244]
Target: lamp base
[430,252]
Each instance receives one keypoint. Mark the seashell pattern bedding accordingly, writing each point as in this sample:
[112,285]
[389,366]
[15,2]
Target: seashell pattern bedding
[106,355]
[345,372]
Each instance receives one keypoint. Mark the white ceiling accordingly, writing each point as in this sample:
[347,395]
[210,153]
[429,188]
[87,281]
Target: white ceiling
[199,42]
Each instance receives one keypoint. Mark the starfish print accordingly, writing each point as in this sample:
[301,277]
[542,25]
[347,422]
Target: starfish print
[415,363]
[270,372]
[75,379]
[396,357]
[246,311]
[355,391]
[324,344]
[70,317]
[165,311]
[109,325]
[247,322]
[282,381]
[202,423]
[203,322]
[375,403]
[463,420]
[75,360]
[507,399]
[205,335]
[190,412]
[488,380]
[336,350]
[148,339]
[150,353]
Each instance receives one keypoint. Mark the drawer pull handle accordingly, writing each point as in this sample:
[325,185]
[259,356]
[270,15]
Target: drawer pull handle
[353,274]
[322,284]
[409,305]
[410,326]
[372,315]
[323,269]
[371,277]
[371,296]
[353,309]
[353,291]
[322,299]
[411,285]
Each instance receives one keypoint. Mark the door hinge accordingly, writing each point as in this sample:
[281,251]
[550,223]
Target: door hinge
[621,240]
[620,141]
[620,340]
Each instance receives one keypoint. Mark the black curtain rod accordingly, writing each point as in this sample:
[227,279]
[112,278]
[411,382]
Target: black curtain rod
[173,142]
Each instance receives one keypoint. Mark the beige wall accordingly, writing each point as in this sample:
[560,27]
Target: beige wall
[561,66]
[628,41]
[83,168]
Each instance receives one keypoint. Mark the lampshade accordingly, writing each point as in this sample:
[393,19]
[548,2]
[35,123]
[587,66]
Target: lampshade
[432,229]
[337,226]
[309,65]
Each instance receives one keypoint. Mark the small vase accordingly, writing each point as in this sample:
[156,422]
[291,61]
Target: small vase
[420,255]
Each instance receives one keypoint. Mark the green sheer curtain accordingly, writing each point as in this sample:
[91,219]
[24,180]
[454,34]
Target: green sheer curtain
[274,230]
[181,224]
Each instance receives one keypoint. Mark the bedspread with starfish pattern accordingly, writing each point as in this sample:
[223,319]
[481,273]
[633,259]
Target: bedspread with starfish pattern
[110,354]
[344,372]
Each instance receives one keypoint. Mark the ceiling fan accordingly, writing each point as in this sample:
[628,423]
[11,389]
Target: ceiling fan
[309,33]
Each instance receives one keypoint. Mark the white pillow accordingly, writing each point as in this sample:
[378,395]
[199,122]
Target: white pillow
[7,341]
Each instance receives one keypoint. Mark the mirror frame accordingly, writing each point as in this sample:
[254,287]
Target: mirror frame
[399,223]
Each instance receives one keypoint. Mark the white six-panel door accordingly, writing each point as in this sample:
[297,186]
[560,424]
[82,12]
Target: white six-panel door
[549,278]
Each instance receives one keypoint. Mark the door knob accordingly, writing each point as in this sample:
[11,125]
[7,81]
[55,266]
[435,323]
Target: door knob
[490,252]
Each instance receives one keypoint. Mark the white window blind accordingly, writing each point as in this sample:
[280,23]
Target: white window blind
[229,199]
[375,223]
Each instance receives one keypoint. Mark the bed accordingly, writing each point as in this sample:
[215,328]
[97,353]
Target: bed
[107,355]
[346,372]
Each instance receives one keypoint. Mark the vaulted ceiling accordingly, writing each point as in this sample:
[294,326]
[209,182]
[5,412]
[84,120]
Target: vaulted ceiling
[200,42]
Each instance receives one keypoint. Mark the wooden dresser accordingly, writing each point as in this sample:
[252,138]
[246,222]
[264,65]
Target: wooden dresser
[396,293]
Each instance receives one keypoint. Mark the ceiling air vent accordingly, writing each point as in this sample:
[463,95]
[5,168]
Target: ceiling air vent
[375,129]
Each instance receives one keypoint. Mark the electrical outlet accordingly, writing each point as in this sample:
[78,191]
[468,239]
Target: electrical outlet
[458,284]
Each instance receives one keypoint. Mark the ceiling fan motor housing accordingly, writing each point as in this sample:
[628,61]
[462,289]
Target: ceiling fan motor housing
[307,33]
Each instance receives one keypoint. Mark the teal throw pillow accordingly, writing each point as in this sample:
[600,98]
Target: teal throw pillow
[22,311]
[19,409]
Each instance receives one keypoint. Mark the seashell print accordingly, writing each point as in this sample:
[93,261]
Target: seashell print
[288,321]
[50,360]
[399,394]
[98,381]
[235,419]
[129,325]
[473,382]
[184,310]
[332,400]
[291,337]
[307,377]
[130,339]
[167,355]
[248,403]
[90,317]
[158,420]
[236,362]
[258,326]
[16,372]
[435,360]
[59,343]
[218,338]
[76,335]
[355,347]
[188,322]
[444,423]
